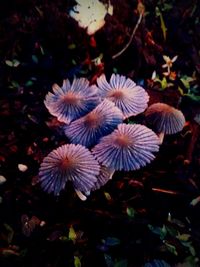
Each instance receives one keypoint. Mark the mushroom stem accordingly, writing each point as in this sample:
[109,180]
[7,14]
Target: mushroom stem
[161,137]
[80,195]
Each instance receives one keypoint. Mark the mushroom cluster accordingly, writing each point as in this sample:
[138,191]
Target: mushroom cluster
[164,119]
[101,142]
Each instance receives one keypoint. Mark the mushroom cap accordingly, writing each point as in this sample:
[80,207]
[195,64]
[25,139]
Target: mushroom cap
[165,118]
[99,122]
[128,147]
[155,262]
[69,162]
[71,101]
[104,176]
[127,96]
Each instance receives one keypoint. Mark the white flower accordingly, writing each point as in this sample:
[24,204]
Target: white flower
[168,62]
[90,14]
[22,167]
[153,77]
[2,179]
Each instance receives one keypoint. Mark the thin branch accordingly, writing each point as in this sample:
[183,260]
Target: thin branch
[131,39]
[170,192]
[192,145]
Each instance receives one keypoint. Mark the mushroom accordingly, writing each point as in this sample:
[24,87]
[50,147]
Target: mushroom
[127,96]
[104,176]
[99,122]
[69,162]
[164,119]
[71,101]
[128,147]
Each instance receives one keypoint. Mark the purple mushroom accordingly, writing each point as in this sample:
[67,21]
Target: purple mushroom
[127,96]
[69,162]
[71,101]
[104,176]
[164,119]
[99,122]
[127,148]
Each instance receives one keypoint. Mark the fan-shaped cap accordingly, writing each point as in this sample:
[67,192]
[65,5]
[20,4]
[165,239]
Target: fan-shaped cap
[129,147]
[127,96]
[71,101]
[158,263]
[164,118]
[104,176]
[99,122]
[69,162]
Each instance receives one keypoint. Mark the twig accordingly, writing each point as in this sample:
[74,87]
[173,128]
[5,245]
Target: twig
[194,138]
[131,39]
[170,192]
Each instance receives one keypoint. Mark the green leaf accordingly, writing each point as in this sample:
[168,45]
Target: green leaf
[195,201]
[9,63]
[14,84]
[162,232]
[10,233]
[183,237]
[194,89]
[195,98]
[16,63]
[108,260]
[167,7]
[74,62]
[83,71]
[171,248]
[171,230]
[107,196]
[186,81]
[71,46]
[29,83]
[190,261]
[157,79]
[164,83]
[35,59]
[189,245]
[63,238]
[72,234]
[42,50]
[162,23]
[121,263]
[192,250]
[77,262]
[180,90]
[131,122]
[130,212]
